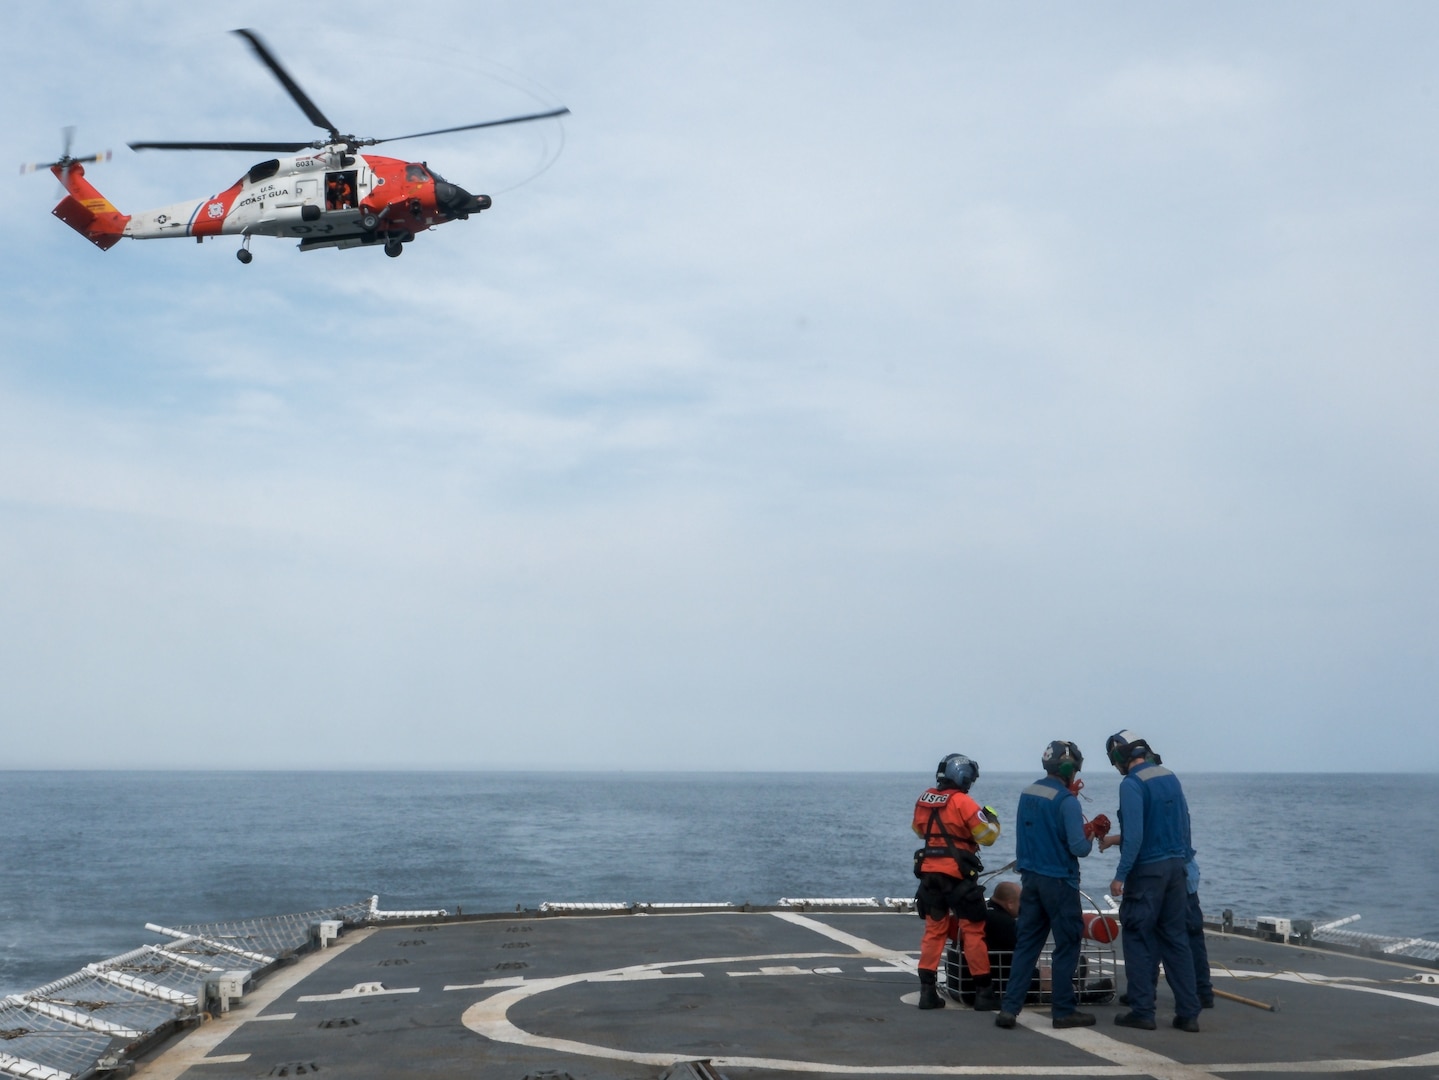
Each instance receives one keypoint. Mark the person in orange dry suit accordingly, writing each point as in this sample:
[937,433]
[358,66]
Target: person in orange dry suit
[950,898]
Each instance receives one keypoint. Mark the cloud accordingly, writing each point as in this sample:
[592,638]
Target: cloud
[1177,94]
[845,386]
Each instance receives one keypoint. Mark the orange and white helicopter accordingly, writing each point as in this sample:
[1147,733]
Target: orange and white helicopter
[327,196]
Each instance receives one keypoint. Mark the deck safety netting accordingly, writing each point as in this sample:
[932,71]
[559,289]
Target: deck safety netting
[1395,947]
[29,1038]
[70,1027]
[173,966]
[273,935]
[89,996]
[1339,934]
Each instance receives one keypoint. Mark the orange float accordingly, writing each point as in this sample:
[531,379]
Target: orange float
[1099,927]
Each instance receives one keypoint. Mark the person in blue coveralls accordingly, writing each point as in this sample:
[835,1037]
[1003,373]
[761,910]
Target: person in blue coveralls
[1050,839]
[1194,929]
[1151,883]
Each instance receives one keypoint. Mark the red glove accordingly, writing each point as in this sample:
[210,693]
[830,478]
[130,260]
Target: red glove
[1097,828]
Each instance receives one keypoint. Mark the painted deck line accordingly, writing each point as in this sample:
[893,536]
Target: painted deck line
[1329,982]
[1116,1058]
[1329,1066]
[617,1019]
[905,960]
[358,992]
[195,1047]
[1133,1059]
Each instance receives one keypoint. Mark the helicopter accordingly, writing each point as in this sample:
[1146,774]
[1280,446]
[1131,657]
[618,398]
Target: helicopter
[327,195]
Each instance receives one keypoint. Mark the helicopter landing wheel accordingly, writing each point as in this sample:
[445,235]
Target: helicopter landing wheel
[244,256]
[394,249]
[369,222]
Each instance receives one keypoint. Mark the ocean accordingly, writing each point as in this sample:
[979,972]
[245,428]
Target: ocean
[88,858]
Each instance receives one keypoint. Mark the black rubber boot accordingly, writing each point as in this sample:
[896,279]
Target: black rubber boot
[1144,1023]
[985,999]
[928,993]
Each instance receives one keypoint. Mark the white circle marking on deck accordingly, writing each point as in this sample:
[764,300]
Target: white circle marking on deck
[490,1018]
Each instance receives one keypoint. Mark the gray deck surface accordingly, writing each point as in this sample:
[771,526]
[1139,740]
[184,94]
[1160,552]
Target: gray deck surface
[626,996]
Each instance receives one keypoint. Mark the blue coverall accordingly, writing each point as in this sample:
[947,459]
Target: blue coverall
[1154,822]
[1049,841]
[1194,927]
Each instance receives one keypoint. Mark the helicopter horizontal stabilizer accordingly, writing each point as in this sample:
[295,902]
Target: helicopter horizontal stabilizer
[87,211]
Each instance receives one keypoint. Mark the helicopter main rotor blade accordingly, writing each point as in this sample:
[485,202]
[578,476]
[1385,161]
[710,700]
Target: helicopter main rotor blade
[302,99]
[471,127]
[257,147]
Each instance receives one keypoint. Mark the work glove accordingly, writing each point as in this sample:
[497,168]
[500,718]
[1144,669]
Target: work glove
[1097,828]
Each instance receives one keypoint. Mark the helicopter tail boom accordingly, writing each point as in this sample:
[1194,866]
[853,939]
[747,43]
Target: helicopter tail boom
[87,211]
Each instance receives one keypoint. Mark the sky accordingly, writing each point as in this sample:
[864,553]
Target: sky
[836,388]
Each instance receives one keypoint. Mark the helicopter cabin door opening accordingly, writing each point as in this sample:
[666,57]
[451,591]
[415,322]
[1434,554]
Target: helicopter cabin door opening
[341,190]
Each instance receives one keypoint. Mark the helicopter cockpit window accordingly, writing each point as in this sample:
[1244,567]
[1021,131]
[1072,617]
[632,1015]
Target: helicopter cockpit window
[416,173]
[264,170]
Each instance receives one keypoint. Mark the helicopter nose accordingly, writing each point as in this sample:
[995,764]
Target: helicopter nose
[457,202]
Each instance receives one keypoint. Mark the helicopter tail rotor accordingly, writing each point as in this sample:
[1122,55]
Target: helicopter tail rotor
[65,161]
[83,208]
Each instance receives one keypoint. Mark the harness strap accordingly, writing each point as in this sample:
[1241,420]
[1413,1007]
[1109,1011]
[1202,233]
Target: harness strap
[967,862]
